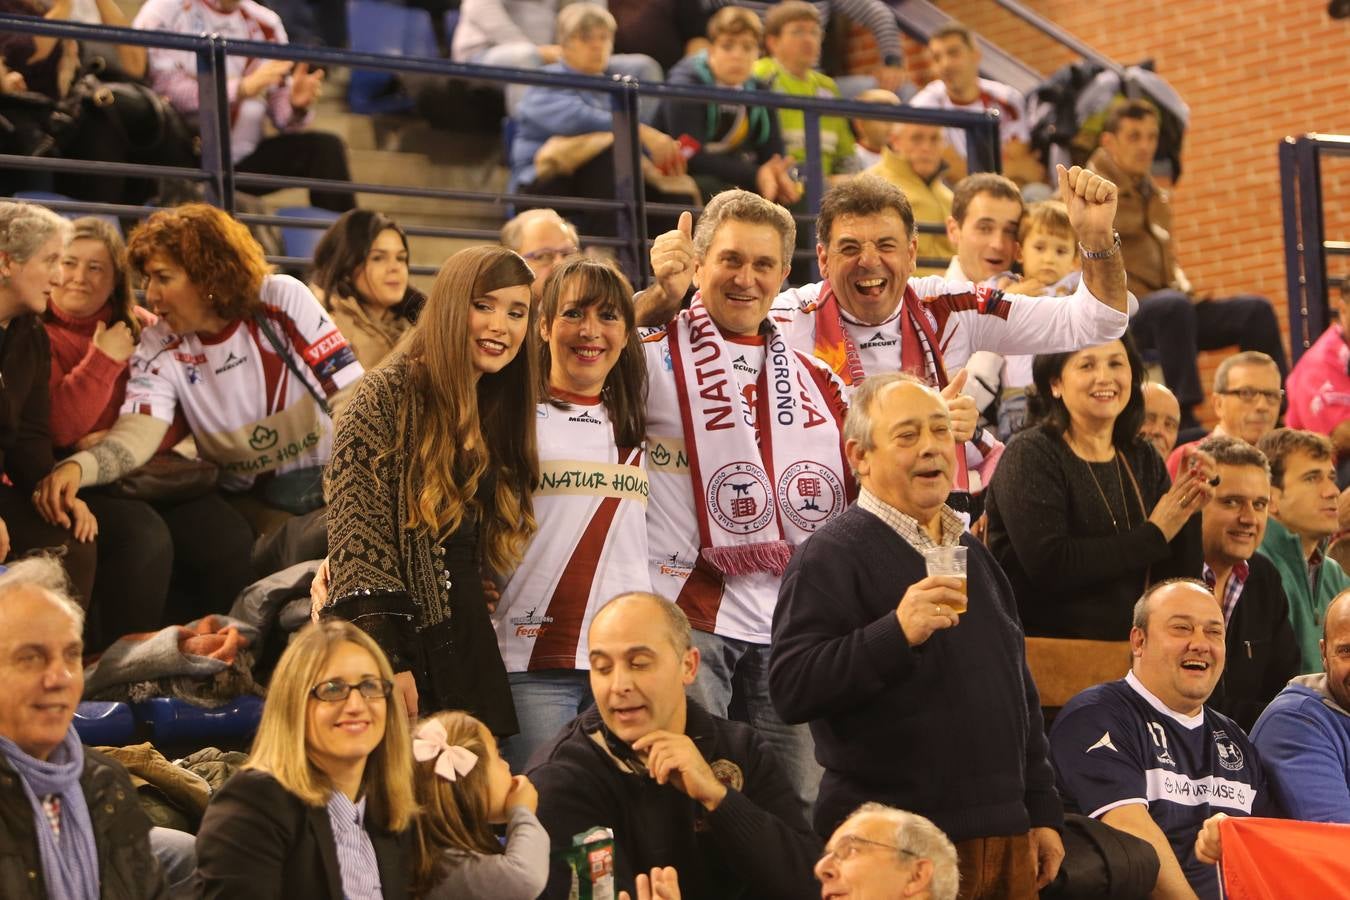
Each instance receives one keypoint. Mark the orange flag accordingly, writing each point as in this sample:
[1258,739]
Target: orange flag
[1274,859]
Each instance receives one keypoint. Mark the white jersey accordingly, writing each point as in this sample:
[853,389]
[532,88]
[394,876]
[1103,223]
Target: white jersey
[1011,106]
[965,318]
[247,411]
[734,606]
[591,545]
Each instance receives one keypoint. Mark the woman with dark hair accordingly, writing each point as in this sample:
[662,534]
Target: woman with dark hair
[430,485]
[361,277]
[591,502]
[250,361]
[1082,516]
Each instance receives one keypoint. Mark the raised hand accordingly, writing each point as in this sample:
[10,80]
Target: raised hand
[116,342]
[961,408]
[929,605]
[1091,201]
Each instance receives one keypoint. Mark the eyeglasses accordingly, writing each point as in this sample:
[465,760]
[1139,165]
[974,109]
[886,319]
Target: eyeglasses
[1247,395]
[337,690]
[547,255]
[850,844]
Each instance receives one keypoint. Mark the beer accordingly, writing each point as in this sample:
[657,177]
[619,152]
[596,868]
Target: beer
[949,562]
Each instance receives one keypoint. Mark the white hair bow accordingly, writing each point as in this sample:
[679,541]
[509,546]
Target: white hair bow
[452,762]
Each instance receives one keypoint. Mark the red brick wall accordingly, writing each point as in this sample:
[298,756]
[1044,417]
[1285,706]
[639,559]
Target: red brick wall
[1253,72]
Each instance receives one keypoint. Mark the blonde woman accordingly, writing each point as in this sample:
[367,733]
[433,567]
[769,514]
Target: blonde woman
[429,487]
[324,804]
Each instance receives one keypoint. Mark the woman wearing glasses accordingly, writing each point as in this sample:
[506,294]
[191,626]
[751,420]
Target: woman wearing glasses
[1082,515]
[323,806]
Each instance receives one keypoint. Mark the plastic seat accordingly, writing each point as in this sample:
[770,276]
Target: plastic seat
[300,240]
[171,720]
[43,196]
[104,724]
[384,28]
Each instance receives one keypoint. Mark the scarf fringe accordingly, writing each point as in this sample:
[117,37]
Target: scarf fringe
[745,559]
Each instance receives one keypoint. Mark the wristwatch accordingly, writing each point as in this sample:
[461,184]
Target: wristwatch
[1102,254]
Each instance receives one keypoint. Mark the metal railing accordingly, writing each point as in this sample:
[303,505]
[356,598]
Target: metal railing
[1306,247]
[629,202]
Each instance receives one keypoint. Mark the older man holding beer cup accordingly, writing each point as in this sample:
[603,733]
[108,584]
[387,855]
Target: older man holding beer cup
[908,663]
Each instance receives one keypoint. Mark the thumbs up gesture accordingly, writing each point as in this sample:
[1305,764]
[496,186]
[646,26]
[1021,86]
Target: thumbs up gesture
[672,259]
[961,408]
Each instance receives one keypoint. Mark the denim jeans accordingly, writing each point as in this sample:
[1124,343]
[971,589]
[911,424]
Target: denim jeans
[733,682]
[545,701]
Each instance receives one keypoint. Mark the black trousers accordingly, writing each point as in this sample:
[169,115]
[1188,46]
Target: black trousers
[212,545]
[28,532]
[135,557]
[303,154]
[1177,329]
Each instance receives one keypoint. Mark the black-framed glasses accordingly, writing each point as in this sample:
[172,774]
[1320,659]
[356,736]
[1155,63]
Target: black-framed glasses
[849,844]
[1247,395]
[337,690]
[546,255]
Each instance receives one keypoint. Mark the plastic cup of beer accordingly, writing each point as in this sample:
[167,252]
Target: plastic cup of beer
[948,562]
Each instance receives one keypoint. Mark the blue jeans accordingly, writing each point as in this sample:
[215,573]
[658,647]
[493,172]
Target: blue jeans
[545,701]
[733,682]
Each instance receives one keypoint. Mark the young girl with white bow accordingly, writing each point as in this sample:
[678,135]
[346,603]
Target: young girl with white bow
[465,788]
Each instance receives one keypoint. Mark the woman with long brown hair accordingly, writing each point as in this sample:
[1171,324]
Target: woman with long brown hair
[430,483]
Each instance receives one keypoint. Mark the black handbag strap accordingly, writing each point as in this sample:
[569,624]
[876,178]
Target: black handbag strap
[284,352]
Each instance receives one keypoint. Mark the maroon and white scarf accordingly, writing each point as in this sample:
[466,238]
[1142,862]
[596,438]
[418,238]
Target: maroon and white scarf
[758,491]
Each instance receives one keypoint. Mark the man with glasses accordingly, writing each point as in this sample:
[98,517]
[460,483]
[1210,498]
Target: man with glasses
[544,239]
[881,853]
[1303,511]
[1247,398]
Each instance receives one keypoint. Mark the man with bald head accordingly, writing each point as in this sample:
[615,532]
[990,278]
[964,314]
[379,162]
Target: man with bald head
[70,825]
[1162,417]
[1146,755]
[915,686]
[679,786]
[1304,735]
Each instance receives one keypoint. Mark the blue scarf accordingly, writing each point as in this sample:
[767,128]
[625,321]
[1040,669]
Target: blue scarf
[70,866]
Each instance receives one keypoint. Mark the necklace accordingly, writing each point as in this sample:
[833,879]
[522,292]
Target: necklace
[1120,482]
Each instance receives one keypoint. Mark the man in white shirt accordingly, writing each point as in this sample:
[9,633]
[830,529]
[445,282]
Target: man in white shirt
[959,86]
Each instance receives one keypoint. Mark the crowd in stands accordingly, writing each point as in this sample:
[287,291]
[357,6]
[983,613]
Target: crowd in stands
[639,591]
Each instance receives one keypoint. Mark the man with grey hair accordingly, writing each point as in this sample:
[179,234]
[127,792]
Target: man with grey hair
[70,823]
[544,239]
[1146,755]
[920,865]
[1247,397]
[925,704]
[1262,651]
[678,785]
[745,461]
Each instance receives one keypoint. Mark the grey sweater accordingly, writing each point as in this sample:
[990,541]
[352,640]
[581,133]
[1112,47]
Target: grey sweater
[518,874]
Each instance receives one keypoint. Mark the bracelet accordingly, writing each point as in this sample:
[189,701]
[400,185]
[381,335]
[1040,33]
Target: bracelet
[1102,254]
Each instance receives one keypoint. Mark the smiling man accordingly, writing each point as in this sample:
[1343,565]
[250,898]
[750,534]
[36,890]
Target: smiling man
[1247,397]
[1146,755]
[745,460]
[72,826]
[1304,517]
[924,703]
[679,786]
[1262,652]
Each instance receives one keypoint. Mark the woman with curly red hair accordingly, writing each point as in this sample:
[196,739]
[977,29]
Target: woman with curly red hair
[248,359]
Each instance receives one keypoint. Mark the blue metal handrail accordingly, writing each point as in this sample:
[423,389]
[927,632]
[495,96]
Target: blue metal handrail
[217,167]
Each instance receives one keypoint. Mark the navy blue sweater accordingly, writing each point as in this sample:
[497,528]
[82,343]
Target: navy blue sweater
[950,729]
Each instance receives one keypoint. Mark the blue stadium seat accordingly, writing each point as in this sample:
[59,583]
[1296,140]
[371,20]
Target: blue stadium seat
[300,240]
[104,724]
[377,27]
[175,721]
[43,196]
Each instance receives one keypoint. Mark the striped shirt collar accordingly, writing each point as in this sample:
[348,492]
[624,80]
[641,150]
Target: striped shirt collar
[1232,590]
[357,863]
[908,527]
